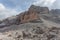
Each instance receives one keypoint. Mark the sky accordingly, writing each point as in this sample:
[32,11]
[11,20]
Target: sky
[13,7]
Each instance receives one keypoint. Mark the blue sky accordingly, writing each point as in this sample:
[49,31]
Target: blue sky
[14,7]
[18,4]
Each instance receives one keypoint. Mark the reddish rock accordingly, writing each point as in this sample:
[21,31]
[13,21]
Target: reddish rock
[28,16]
[32,14]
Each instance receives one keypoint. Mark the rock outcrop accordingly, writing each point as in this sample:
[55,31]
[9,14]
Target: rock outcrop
[31,15]
[39,9]
[48,29]
[27,16]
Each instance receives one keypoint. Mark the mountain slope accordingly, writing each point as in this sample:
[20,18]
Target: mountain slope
[38,23]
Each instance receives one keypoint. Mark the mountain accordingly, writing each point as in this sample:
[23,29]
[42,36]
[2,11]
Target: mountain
[37,23]
[31,15]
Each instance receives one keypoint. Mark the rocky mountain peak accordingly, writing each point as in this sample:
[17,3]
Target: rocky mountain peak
[31,15]
[39,9]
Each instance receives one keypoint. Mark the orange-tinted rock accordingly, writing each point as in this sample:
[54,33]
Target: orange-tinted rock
[32,14]
[28,16]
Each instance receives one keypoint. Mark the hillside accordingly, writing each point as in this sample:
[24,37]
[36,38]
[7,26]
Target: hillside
[38,23]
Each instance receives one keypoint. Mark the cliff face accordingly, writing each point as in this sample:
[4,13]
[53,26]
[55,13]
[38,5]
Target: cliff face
[48,29]
[32,13]
[39,9]
[55,11]
[28,16]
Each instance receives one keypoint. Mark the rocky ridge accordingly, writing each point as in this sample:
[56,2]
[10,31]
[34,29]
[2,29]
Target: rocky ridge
[38,23]
[31,15]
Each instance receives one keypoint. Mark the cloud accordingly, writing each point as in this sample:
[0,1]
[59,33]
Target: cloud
[2,7]
[47,3]
[6,12]
[56,4]
[13,7]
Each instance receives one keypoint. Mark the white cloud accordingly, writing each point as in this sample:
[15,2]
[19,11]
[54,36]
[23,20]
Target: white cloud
[2,7]
[37,2]
[6,12]
[47,3]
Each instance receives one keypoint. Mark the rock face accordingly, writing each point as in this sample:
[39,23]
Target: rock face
[39,9]
[45,30]
[9,21]
[28,16]
[55,11]
[31,15]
